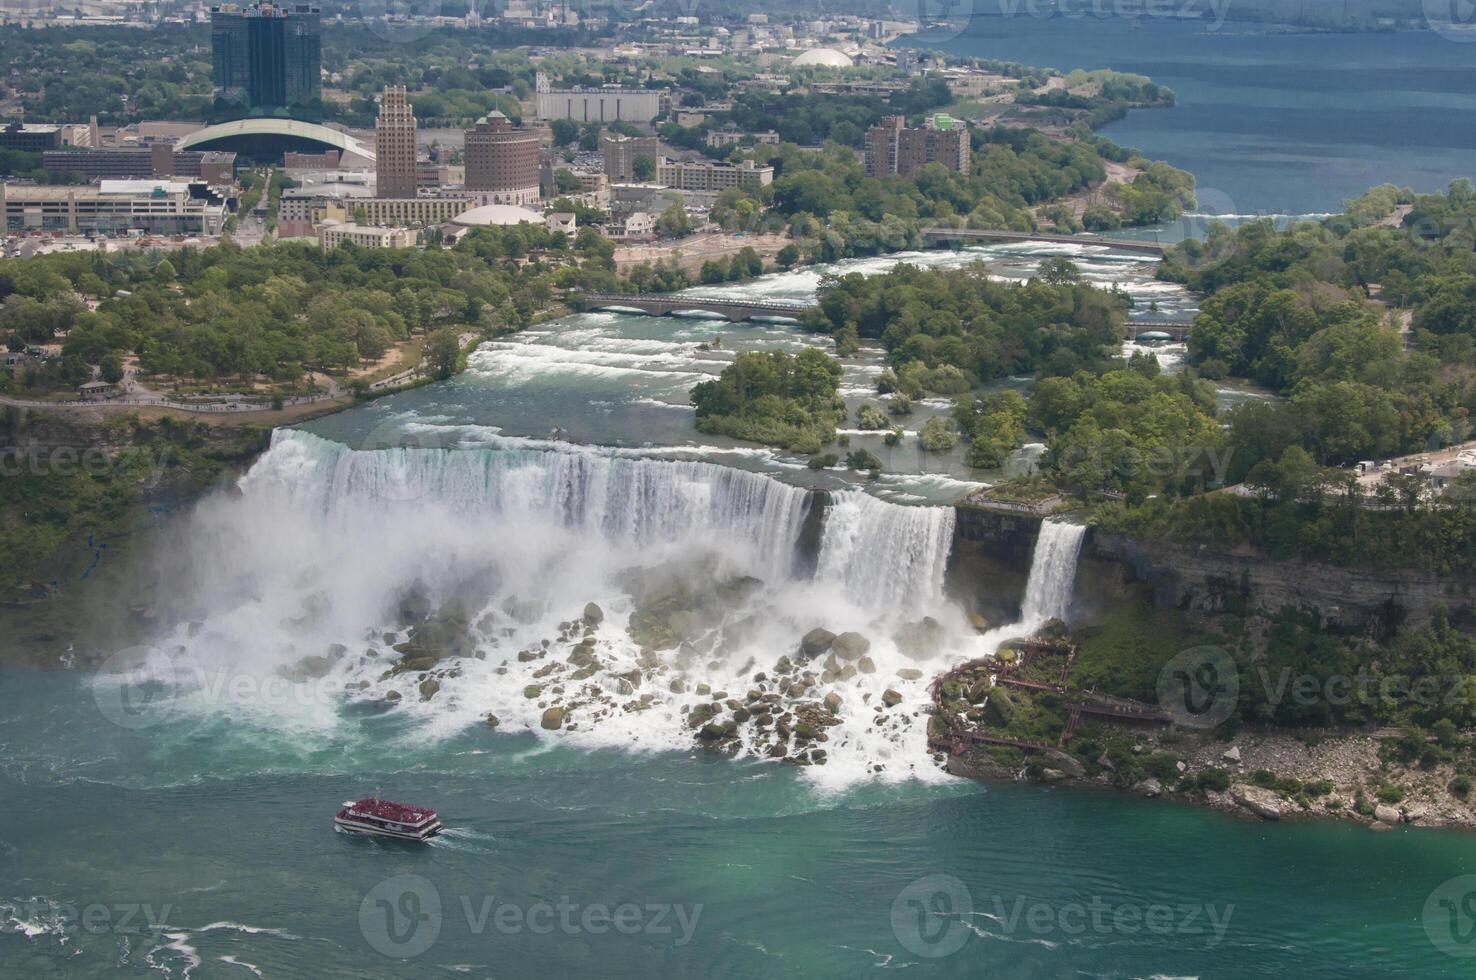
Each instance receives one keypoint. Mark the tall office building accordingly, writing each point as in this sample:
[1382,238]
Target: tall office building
[501,161]
[394,145]
[267,59]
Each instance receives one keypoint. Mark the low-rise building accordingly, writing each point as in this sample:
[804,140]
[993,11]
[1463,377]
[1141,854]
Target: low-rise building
[30,138]
[114,207]
[333,234]
[134,163]
[733,137]
[706,175]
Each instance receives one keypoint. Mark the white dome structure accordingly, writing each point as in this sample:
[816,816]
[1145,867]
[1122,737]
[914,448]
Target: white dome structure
[496,214]
[823,58]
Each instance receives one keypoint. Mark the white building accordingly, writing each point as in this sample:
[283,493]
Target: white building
[603,105]
[331,235]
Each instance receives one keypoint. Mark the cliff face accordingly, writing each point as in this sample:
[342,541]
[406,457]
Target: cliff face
[990,561]
[992,554]
[1208,579]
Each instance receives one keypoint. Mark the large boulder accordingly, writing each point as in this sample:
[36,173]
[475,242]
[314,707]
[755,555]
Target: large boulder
[553,719]
[1262,802]
[593,614]
[1384,813]
[849,646]
[920,640]
[1067,763]
[817,641]
[891,698]
[1149,787]
[428,688]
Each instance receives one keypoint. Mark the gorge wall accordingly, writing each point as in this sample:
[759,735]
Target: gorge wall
[991,558]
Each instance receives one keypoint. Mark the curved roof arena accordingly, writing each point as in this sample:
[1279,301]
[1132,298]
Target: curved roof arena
[266,138]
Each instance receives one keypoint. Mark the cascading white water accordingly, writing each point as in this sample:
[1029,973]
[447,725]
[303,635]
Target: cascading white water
[631,501]
[1052,572]
[886,557]
[309,567]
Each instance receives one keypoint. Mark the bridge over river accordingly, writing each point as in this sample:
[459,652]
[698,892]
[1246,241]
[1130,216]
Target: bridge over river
[942,236]
[667,304]
[736,310]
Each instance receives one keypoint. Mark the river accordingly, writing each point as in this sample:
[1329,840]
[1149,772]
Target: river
[1268,123]
[171,815]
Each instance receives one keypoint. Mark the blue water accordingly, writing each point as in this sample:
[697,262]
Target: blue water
[220,835]
[1271,123]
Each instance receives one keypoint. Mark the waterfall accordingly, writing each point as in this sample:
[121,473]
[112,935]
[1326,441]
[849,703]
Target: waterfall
[328,559]
[628,501]
[886,557]
[1052,572]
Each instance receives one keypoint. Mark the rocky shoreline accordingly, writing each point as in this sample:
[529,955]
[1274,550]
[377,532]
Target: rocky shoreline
[1271,775]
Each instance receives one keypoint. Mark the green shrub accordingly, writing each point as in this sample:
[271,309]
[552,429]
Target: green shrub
[936,435]
[1215,779]
[1460,787]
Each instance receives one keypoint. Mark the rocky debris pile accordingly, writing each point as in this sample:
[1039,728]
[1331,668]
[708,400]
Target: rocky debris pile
[688,627]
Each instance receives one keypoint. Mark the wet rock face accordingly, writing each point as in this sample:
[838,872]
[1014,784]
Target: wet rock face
[679,605]
[817,641]
[920,640]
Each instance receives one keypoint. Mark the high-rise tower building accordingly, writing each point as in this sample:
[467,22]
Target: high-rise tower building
[267,59]
[394,145]
[501,161]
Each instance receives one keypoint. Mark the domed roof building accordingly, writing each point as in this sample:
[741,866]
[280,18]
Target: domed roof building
[496,214]
[822,58]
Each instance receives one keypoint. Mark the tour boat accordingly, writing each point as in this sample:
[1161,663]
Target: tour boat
[382,818]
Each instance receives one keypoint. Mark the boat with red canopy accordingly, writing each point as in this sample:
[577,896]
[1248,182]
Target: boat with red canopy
[384,818]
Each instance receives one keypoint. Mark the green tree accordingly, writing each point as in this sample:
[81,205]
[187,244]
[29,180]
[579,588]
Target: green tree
[443,353]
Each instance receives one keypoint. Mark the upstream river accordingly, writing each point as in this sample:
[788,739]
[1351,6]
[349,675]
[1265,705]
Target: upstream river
[170,816]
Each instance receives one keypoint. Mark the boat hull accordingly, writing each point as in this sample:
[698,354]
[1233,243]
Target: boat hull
[351,826]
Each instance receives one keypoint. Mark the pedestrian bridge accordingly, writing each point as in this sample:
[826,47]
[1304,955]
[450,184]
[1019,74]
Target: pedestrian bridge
[943,236]
[738,310]
[1177,329]
[650,304]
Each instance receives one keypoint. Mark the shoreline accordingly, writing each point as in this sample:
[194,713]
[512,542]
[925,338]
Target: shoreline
[1268,774]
